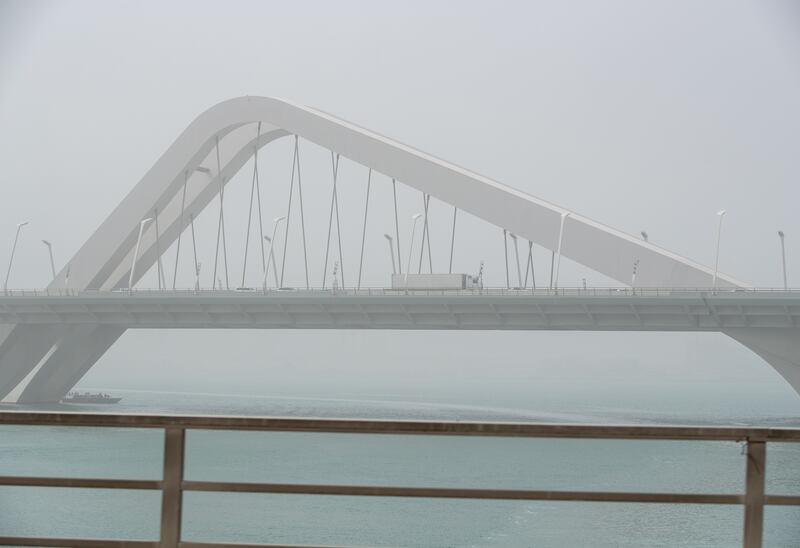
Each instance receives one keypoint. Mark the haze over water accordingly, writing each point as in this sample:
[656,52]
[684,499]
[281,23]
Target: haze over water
[401,460]
[643,116]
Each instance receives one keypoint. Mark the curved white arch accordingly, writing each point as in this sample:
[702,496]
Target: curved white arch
[606,250]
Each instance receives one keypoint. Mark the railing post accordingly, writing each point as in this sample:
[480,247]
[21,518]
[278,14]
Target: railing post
[754,494]
[171,494]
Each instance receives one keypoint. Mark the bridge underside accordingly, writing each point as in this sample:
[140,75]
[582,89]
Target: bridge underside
[83,328]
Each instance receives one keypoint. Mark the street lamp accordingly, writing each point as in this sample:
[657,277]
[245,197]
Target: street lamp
[136,252]
[720,215]
[516,254]
[783,260]
[391,252]
[564,216]
[11,260]
[272,258]
[52,264]
[275,224]
[414,218]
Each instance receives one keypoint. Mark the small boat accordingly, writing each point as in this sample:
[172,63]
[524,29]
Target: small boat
[87,397]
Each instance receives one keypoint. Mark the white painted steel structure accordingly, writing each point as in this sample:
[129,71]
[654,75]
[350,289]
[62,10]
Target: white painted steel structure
[180,185]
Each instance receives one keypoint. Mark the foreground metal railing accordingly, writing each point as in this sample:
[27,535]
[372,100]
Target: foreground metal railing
[173,483]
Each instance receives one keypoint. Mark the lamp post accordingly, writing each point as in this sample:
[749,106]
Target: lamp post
[136,252]
[720,215]
[11,260]
[564,216]
[275,224]
[414,218]
[391,252]
[783,259]
[52,263]
[272,258]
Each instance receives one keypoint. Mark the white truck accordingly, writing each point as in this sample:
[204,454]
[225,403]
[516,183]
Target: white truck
[434,281]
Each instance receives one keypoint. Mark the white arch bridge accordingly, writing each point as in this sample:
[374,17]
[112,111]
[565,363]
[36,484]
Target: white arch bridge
[50,338]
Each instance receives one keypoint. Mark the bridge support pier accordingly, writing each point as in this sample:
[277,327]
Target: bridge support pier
[22,347]
[779,347]
[73,357]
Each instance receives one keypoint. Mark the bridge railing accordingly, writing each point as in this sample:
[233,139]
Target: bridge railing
[381,291]
[173,484]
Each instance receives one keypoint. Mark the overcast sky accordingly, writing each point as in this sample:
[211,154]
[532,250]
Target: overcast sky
[641,115]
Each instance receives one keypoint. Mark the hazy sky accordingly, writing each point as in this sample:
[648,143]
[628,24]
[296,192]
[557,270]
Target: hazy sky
[641,115]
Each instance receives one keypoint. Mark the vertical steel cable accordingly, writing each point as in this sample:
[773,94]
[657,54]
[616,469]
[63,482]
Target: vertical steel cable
[334,171]
[258,201]
[397,228]
[338,226]
[364,231]
[505,247]
[426,199]
[288,213]
[159,269]
[452,240]
[302,215]
[249,218]
[180,230]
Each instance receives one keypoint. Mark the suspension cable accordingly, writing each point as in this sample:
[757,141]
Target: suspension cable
[220,226]
[302,215]
[258,200]
[289,212]
[426,199]
[338,226]
[364,231]
[194,249]
[334,171]
[505,248]
[397,228]
[159,270]
[249,215]
[453,240]
[180,230]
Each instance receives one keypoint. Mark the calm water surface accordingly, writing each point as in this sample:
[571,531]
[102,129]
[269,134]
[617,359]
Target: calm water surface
[403,460]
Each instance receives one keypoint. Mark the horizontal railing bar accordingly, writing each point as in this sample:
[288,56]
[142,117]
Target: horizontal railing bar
[248,545]
[461,493]
[782,500]
[372,426]
[87,483]
[76,542]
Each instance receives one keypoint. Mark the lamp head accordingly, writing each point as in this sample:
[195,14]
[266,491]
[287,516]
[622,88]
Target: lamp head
[45,242]
[780,234]
[565,214]
[145,221]
[721,212]
[513,236]
[279,219]
[387,237]
[267,238]
[20,225]
[644,235]
[416,216]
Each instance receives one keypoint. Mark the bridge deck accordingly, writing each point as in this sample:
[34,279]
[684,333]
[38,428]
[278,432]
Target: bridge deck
[595,310]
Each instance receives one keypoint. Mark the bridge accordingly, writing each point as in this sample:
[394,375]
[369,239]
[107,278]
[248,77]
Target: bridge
[49,338]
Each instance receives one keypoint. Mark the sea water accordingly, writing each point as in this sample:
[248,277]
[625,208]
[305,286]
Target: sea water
[511,463]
